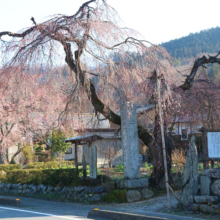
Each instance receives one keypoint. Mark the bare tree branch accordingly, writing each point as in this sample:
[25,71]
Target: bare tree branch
[198,62]
[11,34]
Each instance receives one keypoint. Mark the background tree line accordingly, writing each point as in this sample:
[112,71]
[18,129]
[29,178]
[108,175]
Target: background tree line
[206,41]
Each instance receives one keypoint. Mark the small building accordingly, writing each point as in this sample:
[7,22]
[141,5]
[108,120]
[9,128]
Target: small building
[108,145]
[185,126]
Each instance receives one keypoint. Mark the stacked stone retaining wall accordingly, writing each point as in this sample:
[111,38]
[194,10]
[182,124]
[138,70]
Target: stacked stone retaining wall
[76,194]
[208,198]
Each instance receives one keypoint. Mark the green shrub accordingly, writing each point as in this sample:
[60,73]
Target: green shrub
[6,167]
[120,168]
[57,140]
[88,171]
[2,177]
[35,165]
[50,165]
[200,166]
[146,166]
[28,153]
[76,181]
[116,196]
[217,165]
[53,177]
[12,161]
[40,153]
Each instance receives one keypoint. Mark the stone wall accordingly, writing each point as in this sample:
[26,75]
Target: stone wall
[77,194]
[208,198]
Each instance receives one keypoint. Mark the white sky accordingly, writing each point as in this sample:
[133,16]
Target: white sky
[157,20]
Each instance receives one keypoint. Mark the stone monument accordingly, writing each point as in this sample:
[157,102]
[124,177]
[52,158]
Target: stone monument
[190,177]
[130,146]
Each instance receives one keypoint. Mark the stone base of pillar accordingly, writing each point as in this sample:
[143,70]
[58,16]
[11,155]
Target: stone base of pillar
[132,183]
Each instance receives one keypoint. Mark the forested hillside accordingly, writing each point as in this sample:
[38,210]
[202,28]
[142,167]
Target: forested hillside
[206,41]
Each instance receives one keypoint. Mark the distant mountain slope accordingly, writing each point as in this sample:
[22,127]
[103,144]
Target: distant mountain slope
[193,44]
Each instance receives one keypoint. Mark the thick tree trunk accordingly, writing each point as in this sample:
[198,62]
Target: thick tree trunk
[114,118]
[89,87]
[157,153]
[16,153]
[4,157]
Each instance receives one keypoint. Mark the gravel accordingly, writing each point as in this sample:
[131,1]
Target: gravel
[159,204]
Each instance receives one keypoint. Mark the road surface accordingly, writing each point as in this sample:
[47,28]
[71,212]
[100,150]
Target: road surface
[35,209]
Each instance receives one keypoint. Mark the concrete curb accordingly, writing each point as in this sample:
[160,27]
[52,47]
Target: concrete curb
[11,202]
[105,214]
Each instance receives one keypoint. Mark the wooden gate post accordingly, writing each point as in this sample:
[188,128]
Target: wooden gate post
[205,150]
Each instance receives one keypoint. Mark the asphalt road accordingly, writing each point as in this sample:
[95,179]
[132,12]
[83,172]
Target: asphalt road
[35,209]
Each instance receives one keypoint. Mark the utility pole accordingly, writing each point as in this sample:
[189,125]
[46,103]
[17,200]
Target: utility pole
[162,134]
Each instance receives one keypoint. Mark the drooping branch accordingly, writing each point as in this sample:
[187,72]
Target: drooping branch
[130,40]
[57,30]
[11,34]
[198,62]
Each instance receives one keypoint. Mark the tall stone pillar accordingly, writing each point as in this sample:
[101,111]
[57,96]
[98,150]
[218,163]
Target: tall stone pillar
[130,144]
[93,162]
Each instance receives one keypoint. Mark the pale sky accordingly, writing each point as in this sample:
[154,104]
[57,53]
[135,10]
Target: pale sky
[157,20]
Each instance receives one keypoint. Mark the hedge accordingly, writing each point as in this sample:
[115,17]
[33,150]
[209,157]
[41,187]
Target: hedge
[6,167]
[50,165]
[116,196]
[53,177]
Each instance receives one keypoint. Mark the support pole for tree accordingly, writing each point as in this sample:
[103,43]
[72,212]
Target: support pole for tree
[162,135]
